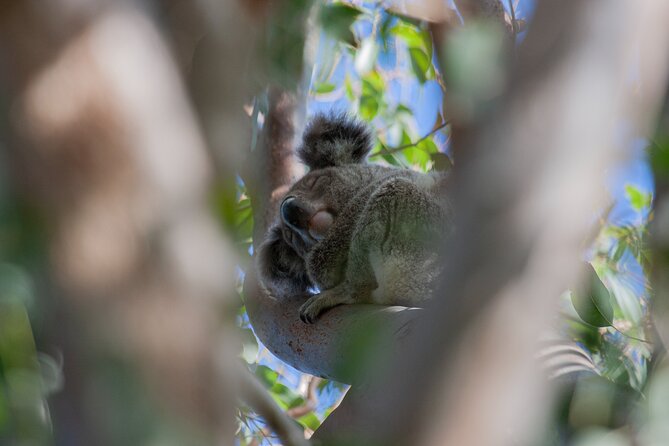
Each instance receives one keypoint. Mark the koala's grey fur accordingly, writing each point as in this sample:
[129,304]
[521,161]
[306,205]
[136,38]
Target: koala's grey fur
[358,232]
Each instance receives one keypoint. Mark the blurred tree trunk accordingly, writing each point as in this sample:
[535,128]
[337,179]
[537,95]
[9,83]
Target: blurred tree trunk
[105,145]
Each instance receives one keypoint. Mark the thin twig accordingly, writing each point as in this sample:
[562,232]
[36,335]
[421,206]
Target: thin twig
[513,20]
[391,150]
[311,400]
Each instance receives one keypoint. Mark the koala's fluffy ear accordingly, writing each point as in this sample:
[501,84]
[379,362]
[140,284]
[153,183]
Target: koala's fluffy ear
[334,140]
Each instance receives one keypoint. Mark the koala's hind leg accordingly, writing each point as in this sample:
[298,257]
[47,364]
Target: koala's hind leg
[401,225]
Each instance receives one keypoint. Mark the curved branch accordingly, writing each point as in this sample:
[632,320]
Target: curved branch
[331,348]
[256,396]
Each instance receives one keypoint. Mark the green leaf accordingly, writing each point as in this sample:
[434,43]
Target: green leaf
[639,200]
[337,20]
[420,63]
[372,82]
[412,35]
[659,156]
[417,157]
[324,87]
[625,296]
[309,421]
[284,396]
[266,375]
[419,44]
[428,146]
[403,110]
[348,88]
[441,162]
[593,304]
[369,107]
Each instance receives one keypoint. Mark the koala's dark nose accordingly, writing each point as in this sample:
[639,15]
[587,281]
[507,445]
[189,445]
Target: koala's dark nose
[293,214]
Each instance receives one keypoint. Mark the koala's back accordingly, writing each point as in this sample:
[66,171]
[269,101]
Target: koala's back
[391,225]
[357,232]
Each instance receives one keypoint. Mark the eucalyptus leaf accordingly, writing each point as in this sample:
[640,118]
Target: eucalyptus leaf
[420,63]
[593,304]
[625,296]
[441,162]
[310,420]
[369,107]
[266,375]
[638,199]
[324,87]
[428,146]
[337,20]
[659,156]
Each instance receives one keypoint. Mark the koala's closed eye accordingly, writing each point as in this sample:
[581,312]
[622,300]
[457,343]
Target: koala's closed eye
[318,181]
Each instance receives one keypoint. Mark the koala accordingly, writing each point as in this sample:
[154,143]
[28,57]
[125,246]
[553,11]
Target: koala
[355,232]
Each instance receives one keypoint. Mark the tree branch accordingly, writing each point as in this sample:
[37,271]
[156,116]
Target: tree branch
[256,396]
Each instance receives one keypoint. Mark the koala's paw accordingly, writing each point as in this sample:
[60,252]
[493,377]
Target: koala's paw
[312,308]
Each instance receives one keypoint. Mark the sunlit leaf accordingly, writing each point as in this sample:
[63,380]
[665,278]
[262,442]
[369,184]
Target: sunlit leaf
[626,298]
[348,89]
[324,87]
[639,200]
[428,146]
[417,157]
[373,83]
[310,420]
[420,63]
[419,45]
[369,107]
[412,35]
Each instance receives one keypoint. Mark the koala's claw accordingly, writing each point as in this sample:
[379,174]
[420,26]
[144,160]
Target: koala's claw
[310,310]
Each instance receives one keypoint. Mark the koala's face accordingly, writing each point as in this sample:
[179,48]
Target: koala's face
[313,204]
[334,147]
